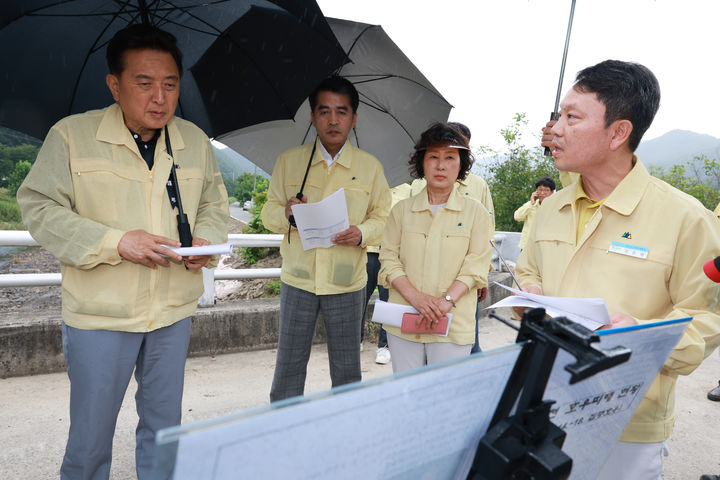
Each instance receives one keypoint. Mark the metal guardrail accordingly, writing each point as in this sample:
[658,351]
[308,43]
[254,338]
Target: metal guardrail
[506,242]
[10,238]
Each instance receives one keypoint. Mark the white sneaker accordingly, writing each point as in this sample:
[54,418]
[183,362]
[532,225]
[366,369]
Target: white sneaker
[383,356]
[361,346]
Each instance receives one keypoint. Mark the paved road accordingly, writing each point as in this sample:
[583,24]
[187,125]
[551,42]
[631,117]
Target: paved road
[34,410]
[240,214]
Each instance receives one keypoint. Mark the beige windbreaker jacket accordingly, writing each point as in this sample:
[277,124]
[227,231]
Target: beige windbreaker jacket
[433,252]
[89,186]
[680,235]
[340,268]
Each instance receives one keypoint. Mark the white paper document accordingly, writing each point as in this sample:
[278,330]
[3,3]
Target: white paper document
[218,249]
[594,412]
[319,222]
[431,418]
[431,421]
[592,313]
[392,313]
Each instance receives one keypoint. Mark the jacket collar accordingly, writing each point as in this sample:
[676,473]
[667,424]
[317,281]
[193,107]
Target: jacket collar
[420,201]
[624,198]
[345,158]
[113,130]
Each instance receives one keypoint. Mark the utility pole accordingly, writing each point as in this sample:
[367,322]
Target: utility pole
[254,180]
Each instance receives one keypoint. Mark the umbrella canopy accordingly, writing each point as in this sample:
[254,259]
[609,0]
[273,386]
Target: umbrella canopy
[54,54]
[397,103]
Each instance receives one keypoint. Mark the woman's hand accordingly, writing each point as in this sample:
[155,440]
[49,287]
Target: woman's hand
[431,309]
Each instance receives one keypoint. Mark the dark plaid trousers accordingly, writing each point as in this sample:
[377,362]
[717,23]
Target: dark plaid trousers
[299,310]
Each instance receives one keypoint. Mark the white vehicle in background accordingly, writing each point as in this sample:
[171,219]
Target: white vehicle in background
[248,205]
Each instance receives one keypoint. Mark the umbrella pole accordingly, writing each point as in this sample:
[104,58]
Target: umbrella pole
[142,6]
[555,114]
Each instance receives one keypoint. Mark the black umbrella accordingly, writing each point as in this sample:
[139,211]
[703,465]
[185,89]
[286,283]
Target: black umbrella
[53,57]
[397,103]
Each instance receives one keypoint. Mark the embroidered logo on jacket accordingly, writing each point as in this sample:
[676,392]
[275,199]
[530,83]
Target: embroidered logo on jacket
[627,235]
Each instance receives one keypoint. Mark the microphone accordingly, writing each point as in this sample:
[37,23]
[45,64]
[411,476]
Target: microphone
[712,270]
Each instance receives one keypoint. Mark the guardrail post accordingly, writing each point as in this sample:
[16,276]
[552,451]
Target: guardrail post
[207,299]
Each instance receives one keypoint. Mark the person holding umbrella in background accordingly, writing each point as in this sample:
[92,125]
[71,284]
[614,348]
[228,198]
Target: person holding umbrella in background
[328,280]
[98,198]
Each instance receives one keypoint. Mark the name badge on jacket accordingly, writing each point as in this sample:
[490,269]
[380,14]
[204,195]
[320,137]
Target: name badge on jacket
[628,249]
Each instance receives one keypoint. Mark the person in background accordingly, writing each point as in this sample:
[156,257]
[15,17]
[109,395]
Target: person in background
[472,186]
[97,198]
[544,187]
[328,280]
[566,178]
[578,245]
[382,356]
[435,252]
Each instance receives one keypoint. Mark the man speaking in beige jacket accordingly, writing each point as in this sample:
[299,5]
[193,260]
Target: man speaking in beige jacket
[578,246]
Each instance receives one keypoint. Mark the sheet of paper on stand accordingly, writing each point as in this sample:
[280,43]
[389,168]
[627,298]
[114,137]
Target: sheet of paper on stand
[218,249]
[319,222]
[589,312]
[392,314]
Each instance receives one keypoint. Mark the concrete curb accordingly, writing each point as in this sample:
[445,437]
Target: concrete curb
[33,346]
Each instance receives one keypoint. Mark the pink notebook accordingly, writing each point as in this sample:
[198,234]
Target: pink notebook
[409,321]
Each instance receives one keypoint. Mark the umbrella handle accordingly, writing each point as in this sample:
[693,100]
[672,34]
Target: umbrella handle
[299,195]
[553,116]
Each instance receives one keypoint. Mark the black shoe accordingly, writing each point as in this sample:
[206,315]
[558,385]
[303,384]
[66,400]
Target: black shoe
[710,477]
[714,395]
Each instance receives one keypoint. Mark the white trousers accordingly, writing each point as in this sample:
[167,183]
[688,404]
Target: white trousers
[407,355]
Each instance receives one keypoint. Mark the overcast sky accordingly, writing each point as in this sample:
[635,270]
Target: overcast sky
[491,59]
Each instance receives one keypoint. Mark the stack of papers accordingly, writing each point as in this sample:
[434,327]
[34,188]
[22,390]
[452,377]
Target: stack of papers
[217,249]
[319,222]
[592,313]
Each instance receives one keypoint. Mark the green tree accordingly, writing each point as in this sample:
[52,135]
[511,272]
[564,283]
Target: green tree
[12,155]
[699,178]
[17,176]
[512,173]
[253,254]
[244,186]
[229,186]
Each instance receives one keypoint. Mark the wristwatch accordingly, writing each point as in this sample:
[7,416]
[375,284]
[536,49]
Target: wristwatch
[451,300]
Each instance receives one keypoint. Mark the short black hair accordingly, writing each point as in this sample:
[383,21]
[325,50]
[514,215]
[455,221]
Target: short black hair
[464,129]
[339,85]
[546,182]
[441,133]
[628,90]
[140,37]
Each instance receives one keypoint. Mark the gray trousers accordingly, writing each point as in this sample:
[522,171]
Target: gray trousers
[299,309]
[100,364]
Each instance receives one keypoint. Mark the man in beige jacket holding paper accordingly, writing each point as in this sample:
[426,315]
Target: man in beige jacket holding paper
[623,235]
[97,198]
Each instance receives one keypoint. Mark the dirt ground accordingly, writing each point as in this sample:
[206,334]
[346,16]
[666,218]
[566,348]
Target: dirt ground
[33,410]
